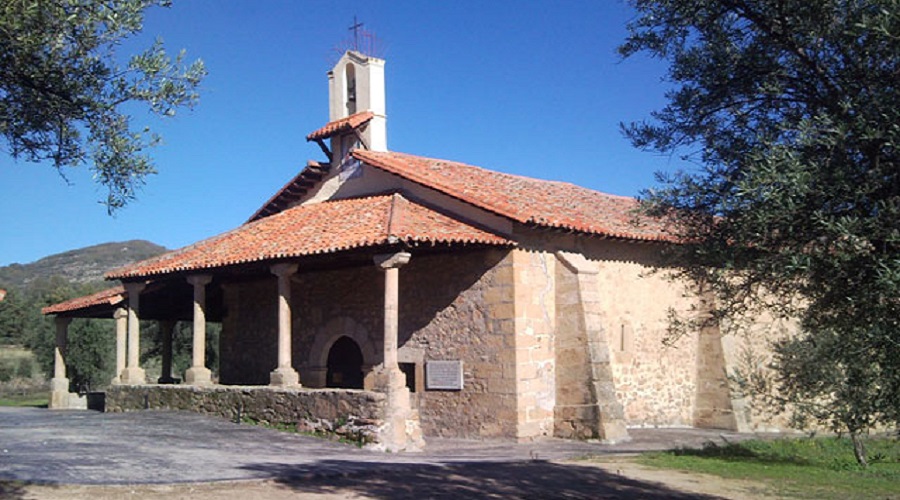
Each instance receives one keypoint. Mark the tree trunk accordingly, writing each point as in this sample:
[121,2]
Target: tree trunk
[859,449]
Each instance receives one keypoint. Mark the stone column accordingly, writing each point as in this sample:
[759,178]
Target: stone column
[284,375]
[59,385]
[402,431]
[391,264]
[133,373]
[198,373]
[166,329]
[121,317]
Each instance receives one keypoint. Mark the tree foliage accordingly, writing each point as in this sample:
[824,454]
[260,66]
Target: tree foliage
[63,90]
[90,353]
[790,112]
[90,356]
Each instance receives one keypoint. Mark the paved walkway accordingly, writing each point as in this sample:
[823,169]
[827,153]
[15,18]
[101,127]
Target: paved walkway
[87,447]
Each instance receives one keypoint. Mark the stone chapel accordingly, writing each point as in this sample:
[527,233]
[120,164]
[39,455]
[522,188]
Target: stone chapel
[457,300]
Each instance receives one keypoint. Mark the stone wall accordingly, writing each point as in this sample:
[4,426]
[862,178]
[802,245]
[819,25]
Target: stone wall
[713,406]
[586,401]
[357,415]
[453,306]
[535,354]
[575,408]
[329,304]
[249,340]
[655,383]
[461,308]
[507,315]
[747,350]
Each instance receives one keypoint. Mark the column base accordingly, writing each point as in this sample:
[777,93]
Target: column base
[167,380]
[284,377]
[198,375]
[402,430]
[133,376]
[62,399]
[117,380]
[67,401]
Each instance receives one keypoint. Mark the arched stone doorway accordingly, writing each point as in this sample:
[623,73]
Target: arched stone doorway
[345,365]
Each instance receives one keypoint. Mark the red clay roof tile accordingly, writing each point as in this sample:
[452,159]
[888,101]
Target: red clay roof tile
[320,228]
[529,201]
[109,296]
[344,124]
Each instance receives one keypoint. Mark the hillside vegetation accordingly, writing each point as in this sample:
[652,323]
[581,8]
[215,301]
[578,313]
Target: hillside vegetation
[84,265]
[54,279]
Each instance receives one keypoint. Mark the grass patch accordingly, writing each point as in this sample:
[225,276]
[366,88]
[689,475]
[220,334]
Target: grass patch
[34,400]
[820,468]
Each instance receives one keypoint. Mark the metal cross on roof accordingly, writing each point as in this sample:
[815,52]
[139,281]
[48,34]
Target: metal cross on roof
[355,29]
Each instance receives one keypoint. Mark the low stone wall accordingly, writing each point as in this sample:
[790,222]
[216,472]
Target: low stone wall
[354,415]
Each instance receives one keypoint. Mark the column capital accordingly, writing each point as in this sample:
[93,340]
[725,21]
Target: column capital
[134,287]
[392,260]
[199,279]
[120,313]
[283,269]
[62,321]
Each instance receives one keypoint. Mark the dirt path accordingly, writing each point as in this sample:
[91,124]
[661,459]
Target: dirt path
[704,484]
[617,477]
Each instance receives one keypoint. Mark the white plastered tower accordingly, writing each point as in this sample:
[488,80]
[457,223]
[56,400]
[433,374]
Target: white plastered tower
[356,85]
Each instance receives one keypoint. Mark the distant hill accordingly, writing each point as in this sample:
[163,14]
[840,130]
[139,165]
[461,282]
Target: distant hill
[84,265]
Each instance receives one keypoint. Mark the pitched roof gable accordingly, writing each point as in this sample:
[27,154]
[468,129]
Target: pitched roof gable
[548,204]
[320,228]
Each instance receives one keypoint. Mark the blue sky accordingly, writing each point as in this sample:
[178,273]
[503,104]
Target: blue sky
[532,88]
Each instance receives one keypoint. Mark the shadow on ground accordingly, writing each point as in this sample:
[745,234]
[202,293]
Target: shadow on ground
[12,490]
[470,480]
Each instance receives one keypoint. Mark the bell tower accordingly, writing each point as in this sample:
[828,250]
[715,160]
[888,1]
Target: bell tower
[356,86]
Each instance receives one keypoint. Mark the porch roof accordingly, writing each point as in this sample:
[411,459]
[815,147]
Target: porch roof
[321,228]
[102,299]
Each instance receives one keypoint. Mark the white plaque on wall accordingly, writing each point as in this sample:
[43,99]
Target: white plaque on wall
[444,375]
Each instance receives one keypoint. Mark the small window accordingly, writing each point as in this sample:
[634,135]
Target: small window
[625,341]
[409,369]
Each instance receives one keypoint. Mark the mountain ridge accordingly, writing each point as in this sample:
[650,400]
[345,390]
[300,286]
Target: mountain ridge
[80,265]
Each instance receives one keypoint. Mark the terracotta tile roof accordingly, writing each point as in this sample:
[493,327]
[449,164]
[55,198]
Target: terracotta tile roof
[344,124]
[543,203]
[110,296]
[320,228]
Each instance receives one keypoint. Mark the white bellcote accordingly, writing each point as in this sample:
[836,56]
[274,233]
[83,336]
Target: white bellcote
[356,85]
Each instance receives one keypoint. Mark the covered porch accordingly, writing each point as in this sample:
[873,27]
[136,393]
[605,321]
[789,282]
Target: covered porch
[248,280]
